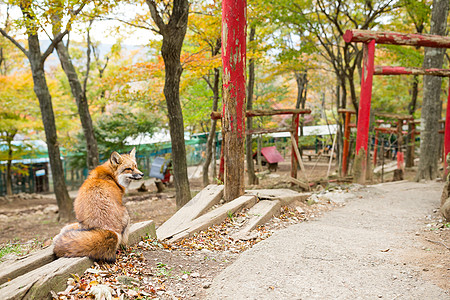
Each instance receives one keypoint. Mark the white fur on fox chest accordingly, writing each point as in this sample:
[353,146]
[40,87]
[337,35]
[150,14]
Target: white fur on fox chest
[124,179]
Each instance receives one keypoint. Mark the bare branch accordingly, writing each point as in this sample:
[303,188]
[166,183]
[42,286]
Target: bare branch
[88,55]
[156,16]
[206,78]
[12,40]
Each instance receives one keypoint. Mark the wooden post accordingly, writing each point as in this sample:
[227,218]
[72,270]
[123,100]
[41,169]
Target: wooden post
[375,149]
[399,144]
[331,155]
[413,140]
[364,112]
[234,28]
[294,161]
[447,132]
[382,159]
[345,150]
[258,153]
[221,175]
[299,158]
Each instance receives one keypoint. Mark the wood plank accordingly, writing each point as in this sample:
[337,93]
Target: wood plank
[259,214]
[388,70]
[301,184]
[299,157]
[269,130]
[394,116]
[214,217]
[397,38]
[16,269]
[198,205]
[272,112]
[216,115]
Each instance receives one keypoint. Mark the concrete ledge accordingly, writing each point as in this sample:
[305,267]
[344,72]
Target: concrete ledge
[214,217]
[141,229]
[11,270]
[285,196]
[258,215]
[38,283]
[198,205]
[42,272]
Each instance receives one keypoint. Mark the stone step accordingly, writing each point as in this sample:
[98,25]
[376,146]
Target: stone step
[197,206]
[42,272]
[285,196]
[259,214]
[214,217]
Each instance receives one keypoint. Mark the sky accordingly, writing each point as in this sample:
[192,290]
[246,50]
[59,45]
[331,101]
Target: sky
[103,30]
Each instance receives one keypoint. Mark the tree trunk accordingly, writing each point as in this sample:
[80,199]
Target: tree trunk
[409,161]
[302,80]
[431,107]
[252,179]
[212,131]
[82,104]
[351,80]
[9,190]
[65,204]
[234,48]
[173,34]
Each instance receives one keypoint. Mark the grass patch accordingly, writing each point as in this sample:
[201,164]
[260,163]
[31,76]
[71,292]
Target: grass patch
[19,249]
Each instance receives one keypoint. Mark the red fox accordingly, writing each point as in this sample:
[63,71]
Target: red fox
[103,220]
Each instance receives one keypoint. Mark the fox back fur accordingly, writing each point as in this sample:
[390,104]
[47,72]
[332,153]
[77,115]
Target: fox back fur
[103,220]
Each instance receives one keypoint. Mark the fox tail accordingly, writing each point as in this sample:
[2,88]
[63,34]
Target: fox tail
[97,244]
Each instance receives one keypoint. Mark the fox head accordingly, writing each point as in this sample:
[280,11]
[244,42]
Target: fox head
[125,167]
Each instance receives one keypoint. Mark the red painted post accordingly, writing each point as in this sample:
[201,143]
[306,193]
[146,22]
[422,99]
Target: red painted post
[234,29]
[447,132]
[362,136]
[346,144]
[375,149]
[388,70]
[294,160]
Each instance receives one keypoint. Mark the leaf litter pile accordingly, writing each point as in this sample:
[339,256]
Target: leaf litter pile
[184,269]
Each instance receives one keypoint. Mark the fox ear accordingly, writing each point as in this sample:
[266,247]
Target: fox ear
[115,159]
[133,153]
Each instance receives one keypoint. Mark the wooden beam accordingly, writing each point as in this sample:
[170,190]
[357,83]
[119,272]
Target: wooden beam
[396,38]
[216,115]
[269,130]
[272,112]
[344,110]
[395,116]
[300,183]
[388,70]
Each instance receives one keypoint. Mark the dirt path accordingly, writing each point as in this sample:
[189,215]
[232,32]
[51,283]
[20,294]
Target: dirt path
[374,247]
